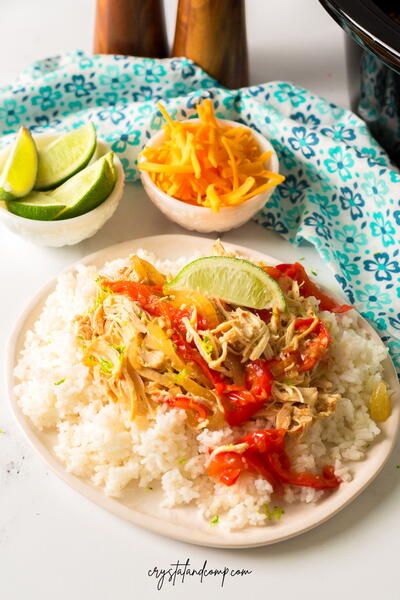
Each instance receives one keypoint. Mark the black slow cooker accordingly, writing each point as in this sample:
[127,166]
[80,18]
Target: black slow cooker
[373,61]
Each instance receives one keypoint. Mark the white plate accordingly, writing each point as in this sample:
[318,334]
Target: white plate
[142,508]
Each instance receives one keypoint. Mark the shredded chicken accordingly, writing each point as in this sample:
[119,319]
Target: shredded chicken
[133,353]
[219,249]
[297,407]
[246,333]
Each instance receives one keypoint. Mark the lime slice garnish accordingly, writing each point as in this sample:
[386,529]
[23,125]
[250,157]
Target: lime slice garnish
[37,205]
[65,156]
[87,189]
[19,172]
[234,280]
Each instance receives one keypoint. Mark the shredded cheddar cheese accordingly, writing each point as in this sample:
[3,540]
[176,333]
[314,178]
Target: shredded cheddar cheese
[207,163]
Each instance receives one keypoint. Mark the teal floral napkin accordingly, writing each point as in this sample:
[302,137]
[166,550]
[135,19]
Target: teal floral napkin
[341,193]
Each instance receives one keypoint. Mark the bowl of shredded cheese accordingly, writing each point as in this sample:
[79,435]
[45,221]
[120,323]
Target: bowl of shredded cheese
[208,174]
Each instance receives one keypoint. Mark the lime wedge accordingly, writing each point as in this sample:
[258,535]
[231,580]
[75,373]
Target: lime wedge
[234,280]
[19,172]
[65,156]
[87,189]
[80,194]
[38,206]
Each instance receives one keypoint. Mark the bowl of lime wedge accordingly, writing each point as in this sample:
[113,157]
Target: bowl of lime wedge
[58,189]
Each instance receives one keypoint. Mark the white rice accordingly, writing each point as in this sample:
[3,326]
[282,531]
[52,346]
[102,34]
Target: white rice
[98,441]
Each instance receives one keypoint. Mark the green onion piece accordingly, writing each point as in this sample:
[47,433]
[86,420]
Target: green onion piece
[207,345]
[179,377]
[277,513]
[106,365]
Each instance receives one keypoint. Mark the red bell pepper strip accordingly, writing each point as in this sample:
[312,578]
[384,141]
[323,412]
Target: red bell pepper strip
[226,467]
[327,480]
[187,403]
[144,294]
[240,406]
[273,272]
[267,457]
[259,379]
[297,272]
[190,354]
[257,464]
[266,440]
[315,347]
[242,402]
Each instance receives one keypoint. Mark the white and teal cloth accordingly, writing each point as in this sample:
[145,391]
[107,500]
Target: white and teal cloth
[341,193]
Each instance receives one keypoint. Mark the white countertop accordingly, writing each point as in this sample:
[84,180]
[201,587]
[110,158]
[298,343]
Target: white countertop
[55,544]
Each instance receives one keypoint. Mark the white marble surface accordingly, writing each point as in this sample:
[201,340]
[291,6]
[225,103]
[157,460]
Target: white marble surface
[55,544]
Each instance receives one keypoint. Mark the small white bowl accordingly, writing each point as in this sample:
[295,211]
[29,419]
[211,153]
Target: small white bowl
[200,218]
[68,231]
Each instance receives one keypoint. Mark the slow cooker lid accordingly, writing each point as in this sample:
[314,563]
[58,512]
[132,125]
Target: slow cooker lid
[374,24]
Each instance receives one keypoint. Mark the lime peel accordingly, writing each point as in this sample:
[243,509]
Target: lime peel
[37,206]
